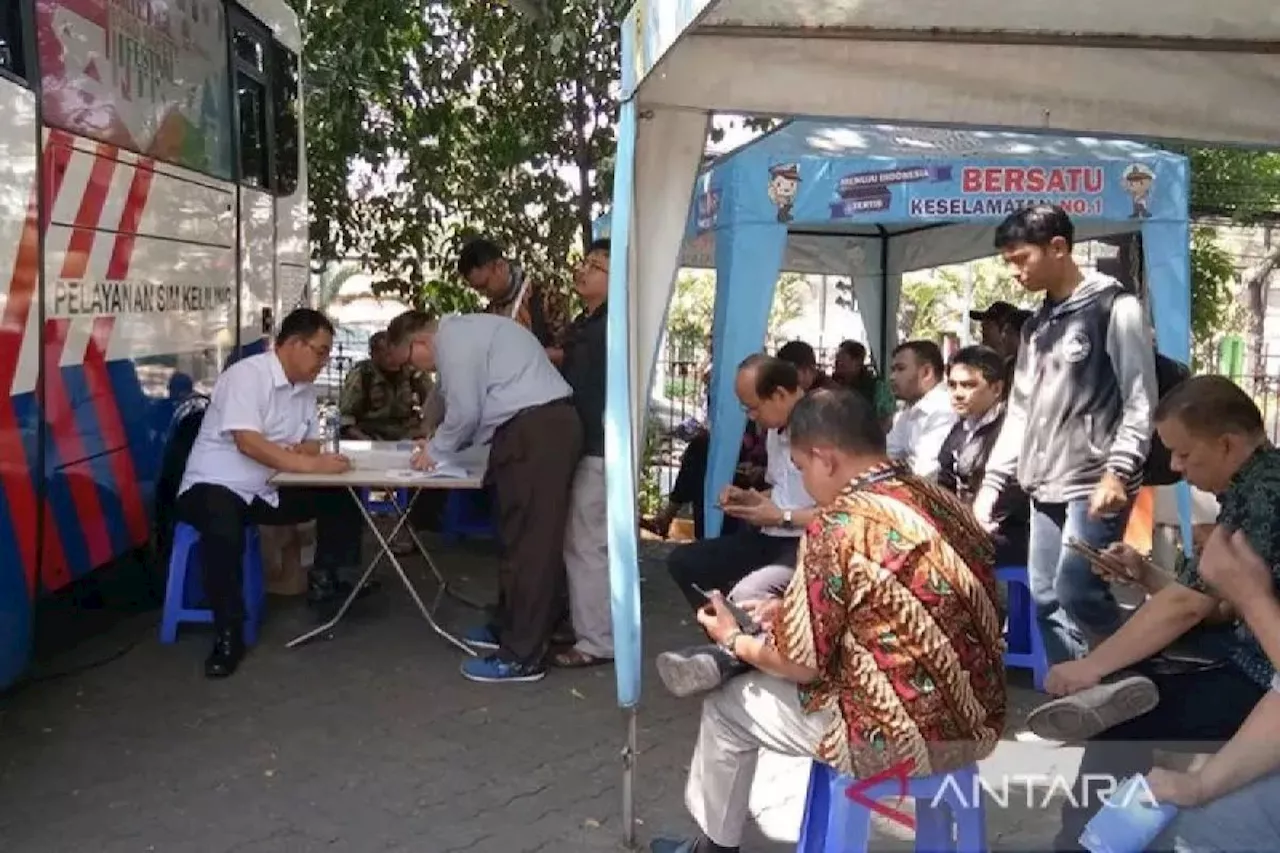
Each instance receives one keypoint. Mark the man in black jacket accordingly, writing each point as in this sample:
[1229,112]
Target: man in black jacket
[976,377]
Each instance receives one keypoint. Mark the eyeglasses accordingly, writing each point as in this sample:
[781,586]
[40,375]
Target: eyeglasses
[323,353]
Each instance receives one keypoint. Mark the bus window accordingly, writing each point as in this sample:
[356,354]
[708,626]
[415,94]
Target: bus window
[254,165]
[284,102]
[248,49]
[11,59]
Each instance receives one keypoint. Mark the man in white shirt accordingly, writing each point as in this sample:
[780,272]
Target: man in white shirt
[917,378]
[756,561]
[501,389]
[263,419]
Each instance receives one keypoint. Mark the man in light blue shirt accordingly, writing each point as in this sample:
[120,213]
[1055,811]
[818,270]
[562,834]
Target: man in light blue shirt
[500,388]
[263,419]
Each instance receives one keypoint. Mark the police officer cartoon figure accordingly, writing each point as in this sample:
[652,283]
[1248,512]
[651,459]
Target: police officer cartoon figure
[1137,183]
[784,183]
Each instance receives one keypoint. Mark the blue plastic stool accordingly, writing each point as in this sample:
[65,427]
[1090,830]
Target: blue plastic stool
[385,507]
[1024,645]
[834,823]
[467,514]
[184,592]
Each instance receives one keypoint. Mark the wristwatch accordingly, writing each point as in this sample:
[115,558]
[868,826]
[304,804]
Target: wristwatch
[786,519]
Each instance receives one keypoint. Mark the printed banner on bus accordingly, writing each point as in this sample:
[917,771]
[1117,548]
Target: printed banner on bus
[147,75]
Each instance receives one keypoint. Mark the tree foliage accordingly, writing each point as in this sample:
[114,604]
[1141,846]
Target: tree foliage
[431,120]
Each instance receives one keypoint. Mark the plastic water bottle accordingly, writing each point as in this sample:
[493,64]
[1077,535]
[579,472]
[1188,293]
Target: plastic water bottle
[333,427]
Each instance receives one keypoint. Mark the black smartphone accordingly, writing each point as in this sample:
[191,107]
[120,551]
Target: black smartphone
[745,623]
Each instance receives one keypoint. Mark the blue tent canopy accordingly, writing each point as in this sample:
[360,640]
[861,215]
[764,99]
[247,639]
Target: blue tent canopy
[872,202]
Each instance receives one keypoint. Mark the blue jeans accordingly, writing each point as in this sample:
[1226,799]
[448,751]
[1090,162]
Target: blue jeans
[1243,821]
[1073,604]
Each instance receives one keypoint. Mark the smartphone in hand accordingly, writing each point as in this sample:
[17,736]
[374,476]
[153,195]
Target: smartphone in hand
[745,623]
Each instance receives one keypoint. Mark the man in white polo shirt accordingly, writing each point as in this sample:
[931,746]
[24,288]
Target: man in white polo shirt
[918,378]
[758,560]
[263,419]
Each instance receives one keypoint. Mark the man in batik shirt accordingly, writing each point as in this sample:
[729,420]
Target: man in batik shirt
[513,295]
[885,652]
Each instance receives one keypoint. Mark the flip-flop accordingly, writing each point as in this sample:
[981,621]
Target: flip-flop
[575,659]
[1090,712]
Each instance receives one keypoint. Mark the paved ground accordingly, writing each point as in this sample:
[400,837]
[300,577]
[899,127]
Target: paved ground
[372,742]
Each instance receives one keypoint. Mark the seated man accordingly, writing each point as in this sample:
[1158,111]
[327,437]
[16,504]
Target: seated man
[976,377]
[263,419]
[1228,804]
[805,359]
[383,398]
[501,389]
[886,647]
[917,379]
[1216,438]
[769,389]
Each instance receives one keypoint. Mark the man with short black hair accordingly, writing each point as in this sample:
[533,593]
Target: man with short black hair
[1077,428]
[805,360]
[917,378]
[977,377]
[885,650]
[513,295]
[769,389]
[383,398]
[263,419]
[500,389]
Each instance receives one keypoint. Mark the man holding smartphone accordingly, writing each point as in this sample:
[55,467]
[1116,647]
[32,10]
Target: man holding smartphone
[764,551]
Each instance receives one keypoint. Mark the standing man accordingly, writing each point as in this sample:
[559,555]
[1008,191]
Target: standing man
[513,295]
[263,419]
[1078,426]
[586,545]
[765,548]
[383,397]
[500,389]
[916,377]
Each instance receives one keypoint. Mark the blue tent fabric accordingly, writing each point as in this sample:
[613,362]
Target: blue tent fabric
[874,201]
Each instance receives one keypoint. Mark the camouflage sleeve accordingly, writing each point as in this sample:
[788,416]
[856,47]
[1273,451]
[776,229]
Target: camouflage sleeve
[351,402]
[555,308]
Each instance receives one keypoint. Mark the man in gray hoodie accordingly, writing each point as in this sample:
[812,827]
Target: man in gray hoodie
[1078,426]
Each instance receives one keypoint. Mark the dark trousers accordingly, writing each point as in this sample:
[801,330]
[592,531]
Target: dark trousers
[531,465]
[719,564]
[1198,712]
[221,516]
[690,479]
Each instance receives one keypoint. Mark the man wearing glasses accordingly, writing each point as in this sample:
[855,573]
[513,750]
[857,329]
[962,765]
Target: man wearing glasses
[501,389]
[513,295]
[263,419]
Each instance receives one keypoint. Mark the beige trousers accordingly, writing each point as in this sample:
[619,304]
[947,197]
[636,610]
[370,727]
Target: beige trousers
[586,560]
[749,713]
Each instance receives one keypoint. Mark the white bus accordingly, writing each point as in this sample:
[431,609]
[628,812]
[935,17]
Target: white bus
[153,221]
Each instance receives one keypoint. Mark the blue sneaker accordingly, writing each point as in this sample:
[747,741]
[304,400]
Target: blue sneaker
[494,670]
[481,637]
[671,845]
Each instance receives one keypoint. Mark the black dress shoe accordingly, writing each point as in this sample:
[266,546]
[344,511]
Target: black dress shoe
[228,651]
[697,669]
[326,597]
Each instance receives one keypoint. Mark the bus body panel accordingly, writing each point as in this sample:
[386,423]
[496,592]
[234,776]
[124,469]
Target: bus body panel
[19,272]
[149,271]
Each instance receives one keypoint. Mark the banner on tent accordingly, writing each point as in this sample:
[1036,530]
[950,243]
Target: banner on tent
[815,191]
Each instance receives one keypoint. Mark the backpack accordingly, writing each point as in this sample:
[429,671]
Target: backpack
[1170,373]
[1158,469]
[181,436]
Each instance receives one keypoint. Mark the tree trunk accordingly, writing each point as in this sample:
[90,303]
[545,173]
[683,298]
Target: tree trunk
[582,151]
[1255,288]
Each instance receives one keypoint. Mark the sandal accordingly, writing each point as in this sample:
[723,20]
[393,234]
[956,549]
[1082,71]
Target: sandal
[576,659]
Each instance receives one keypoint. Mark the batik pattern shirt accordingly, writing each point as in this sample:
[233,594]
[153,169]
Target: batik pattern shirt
[1250,504]
[894,604]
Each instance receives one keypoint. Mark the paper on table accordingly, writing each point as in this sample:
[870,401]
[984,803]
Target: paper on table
[442,471]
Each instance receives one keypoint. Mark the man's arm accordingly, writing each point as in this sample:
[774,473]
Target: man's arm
[1133,360]
[758,652]
[461,365]
[1165,617]
[242,404]
[351,401]
[1253,752]
[933,432]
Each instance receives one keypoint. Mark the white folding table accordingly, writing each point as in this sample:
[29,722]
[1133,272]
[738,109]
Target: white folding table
[358,479]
